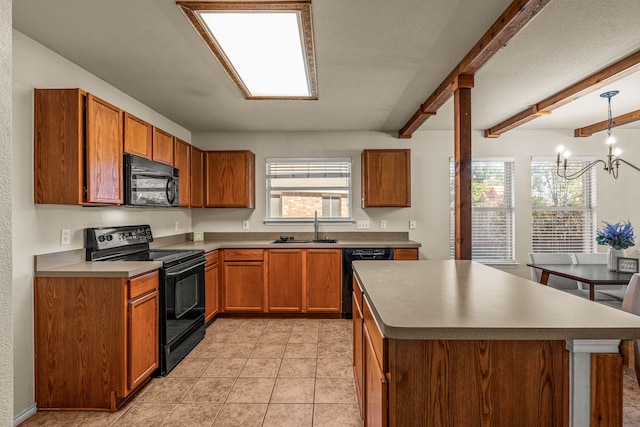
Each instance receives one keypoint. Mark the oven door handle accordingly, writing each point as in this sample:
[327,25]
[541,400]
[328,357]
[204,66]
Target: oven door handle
[177,273]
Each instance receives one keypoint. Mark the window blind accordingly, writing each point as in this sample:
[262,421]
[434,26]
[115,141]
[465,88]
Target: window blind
[492,211]
[563,211]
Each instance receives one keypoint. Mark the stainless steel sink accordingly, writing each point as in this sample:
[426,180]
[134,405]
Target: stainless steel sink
[291,241]
[325,241]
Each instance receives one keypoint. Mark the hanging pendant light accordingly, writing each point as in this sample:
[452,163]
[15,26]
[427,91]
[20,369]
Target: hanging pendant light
[613,159]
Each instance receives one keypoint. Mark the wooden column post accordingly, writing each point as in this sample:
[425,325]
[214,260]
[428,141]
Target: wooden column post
[462,128]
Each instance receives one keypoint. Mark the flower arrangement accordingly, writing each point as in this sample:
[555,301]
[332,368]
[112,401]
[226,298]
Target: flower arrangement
[618,235]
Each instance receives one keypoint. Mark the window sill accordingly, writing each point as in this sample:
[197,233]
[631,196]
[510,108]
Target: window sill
[308,221]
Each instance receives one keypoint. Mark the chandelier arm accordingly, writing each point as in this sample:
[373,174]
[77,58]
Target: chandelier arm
[581,172]
[628,164]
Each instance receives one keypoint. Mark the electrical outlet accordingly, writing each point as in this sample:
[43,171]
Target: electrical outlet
[65,236]
[198,236]
[363,224]
[412,224]
[245,224]
[383,224]
[177,226]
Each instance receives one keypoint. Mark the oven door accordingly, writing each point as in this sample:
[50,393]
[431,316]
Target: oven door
[183,299]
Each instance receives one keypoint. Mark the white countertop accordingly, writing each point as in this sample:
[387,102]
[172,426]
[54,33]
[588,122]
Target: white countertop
[468,300]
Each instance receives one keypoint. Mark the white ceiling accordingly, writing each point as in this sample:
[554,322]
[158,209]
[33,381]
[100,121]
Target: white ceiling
[377,61]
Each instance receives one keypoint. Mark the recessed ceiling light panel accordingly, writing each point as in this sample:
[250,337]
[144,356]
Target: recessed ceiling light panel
[265,48]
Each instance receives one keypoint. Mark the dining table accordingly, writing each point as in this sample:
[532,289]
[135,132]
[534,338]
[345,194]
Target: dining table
[591,274]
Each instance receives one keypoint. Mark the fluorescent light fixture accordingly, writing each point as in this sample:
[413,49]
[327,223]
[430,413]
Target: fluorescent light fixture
[265,48]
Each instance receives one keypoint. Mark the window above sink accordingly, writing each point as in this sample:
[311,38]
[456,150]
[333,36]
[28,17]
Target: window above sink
[298,187]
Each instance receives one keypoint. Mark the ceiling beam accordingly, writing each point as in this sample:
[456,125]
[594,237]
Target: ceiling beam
[604,125]
[624,67]
[512,20]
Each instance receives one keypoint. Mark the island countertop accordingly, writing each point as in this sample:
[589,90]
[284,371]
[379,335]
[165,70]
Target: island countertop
[465,300]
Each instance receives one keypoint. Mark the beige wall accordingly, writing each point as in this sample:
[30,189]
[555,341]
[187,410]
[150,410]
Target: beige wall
[36,229]
[6,337]
[430,151]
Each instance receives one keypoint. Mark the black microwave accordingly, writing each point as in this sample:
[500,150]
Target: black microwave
[149,183]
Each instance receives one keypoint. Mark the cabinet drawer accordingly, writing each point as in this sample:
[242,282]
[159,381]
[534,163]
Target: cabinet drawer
[377,340]
[243,254]
[212,258]
[142,284]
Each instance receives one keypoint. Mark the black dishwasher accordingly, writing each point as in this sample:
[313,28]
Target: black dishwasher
[357,254]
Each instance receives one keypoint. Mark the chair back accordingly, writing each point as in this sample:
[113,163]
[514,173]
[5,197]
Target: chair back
[589,258]
[552,258]
[631,301]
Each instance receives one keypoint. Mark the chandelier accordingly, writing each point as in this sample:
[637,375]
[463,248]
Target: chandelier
[610,164]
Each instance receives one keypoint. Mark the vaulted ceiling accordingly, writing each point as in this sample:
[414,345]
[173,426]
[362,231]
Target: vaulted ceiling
[377,61]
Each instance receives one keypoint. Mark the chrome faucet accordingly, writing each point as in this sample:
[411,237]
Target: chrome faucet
[315,227]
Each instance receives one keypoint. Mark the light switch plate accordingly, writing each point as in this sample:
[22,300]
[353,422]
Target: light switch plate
[245,224]
[198,236]
[363,224]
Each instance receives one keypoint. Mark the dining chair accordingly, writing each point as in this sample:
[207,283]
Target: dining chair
[615,292]
[631,304]
[554,281]
[563,284]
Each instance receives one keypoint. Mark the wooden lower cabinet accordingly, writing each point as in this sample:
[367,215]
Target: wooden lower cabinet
[375,385]
[410,254]
[284,279]
[96,339]
[243,280]
[212,286]
[142,325]
[358,353]
[324,280]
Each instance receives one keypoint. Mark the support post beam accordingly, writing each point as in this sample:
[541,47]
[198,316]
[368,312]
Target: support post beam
[512,20]
[462,153]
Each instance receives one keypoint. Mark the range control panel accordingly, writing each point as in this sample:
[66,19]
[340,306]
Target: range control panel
[115,237]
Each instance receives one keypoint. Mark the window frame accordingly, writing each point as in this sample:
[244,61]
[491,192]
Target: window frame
[325,220]
[510,233]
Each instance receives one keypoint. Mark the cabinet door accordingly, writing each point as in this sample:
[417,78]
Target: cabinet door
[405,254]
[142,338]
[386,178]
[57,134]
[375,382]
[162,146]
[324,280]
[137,136]
[212,286]
[197,178]
[358,354]
[103,152]
[243,286]
[230,179]
[181,160]
[284,280]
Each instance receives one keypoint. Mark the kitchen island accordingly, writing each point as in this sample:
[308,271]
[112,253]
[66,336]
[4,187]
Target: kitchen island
[453,343]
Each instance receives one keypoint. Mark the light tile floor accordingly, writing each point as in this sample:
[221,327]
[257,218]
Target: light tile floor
[245,372]
[260,372]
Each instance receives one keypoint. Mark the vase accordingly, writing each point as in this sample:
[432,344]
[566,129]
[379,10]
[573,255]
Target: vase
[612,258]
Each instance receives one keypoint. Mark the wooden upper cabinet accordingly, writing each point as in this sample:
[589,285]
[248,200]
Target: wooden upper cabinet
[230,179]
[386,178]
[138,135]
[197,178]
[182,162]
[67,170]
[162,146]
